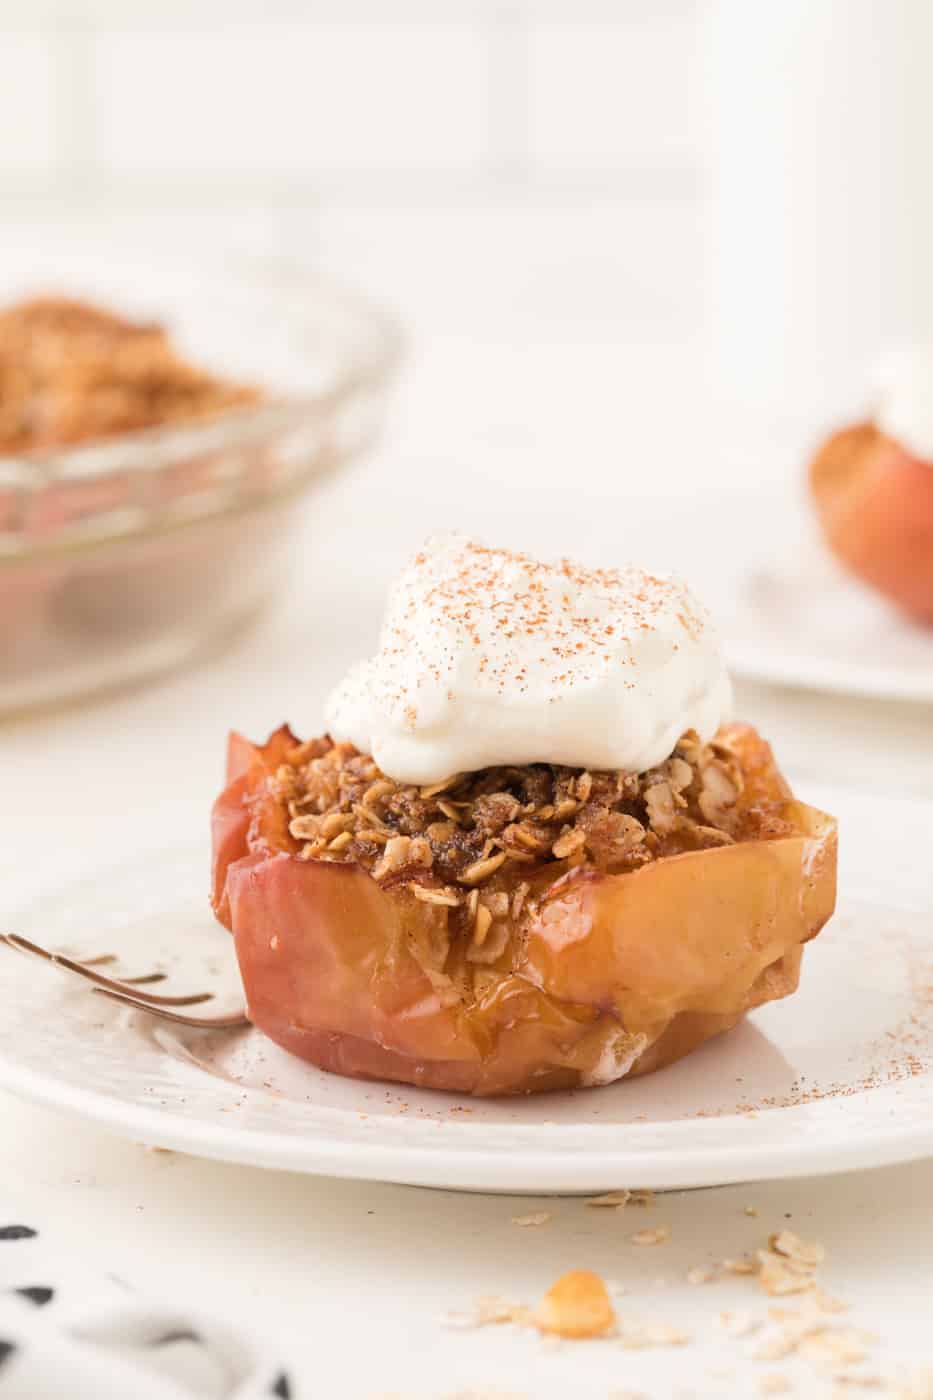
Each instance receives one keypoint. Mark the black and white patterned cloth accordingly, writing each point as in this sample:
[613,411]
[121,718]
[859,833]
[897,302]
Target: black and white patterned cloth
[63,1338]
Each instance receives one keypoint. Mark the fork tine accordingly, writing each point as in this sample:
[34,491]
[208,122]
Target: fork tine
[124,993]
[102,960]
[114,985]
[207,1023]
[25,945]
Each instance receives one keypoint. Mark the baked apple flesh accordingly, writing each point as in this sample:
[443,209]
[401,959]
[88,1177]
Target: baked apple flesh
[599,976]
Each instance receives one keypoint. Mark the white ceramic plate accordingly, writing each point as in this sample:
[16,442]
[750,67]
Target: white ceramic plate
[839,1076]
[807,624]
[787,613]
[793,617]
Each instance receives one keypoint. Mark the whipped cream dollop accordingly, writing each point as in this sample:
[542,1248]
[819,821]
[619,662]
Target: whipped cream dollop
[904,381]
[490,657]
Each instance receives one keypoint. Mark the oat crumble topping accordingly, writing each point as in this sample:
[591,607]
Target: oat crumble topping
[470,845]
[71,372]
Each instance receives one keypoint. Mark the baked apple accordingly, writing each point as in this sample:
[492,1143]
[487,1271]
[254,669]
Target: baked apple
[516,928]
[875,505]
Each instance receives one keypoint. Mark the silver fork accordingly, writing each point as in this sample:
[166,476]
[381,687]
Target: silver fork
[126,989]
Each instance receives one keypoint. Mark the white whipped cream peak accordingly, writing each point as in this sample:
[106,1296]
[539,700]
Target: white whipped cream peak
[489,657]
[904,380]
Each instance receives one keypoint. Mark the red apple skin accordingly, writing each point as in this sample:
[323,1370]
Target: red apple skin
[875,506]
[606,975]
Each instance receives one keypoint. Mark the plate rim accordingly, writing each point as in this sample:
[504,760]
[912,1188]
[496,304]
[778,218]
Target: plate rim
[545,1158]
[416,1165]
[802,671]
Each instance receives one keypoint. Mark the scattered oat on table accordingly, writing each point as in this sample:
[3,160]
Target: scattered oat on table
[618,1200]
[827,1303]
[779,1276]
[578,1307]
[738,1324]
[835,1346]
[775,1347]
[660,1235]
[489,1311]
[612,1200]
[744,1264]
[788,1265]
[918,1387]
[791,1246]
[483,1394]
[636,1336]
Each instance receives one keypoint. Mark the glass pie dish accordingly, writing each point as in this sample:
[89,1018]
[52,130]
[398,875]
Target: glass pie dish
[127,556]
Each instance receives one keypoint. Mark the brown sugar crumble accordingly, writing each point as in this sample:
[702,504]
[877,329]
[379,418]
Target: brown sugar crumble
[72,373]
[480,851]
[472,844]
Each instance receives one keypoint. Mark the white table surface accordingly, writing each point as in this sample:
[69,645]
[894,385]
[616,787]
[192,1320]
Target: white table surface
[353,1279]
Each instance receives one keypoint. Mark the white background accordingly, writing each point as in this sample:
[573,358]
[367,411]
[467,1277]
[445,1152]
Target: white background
[342,99]
[744,185]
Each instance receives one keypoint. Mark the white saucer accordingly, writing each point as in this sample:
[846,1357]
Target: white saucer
[839,1076]
[787,612]
[806,624]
